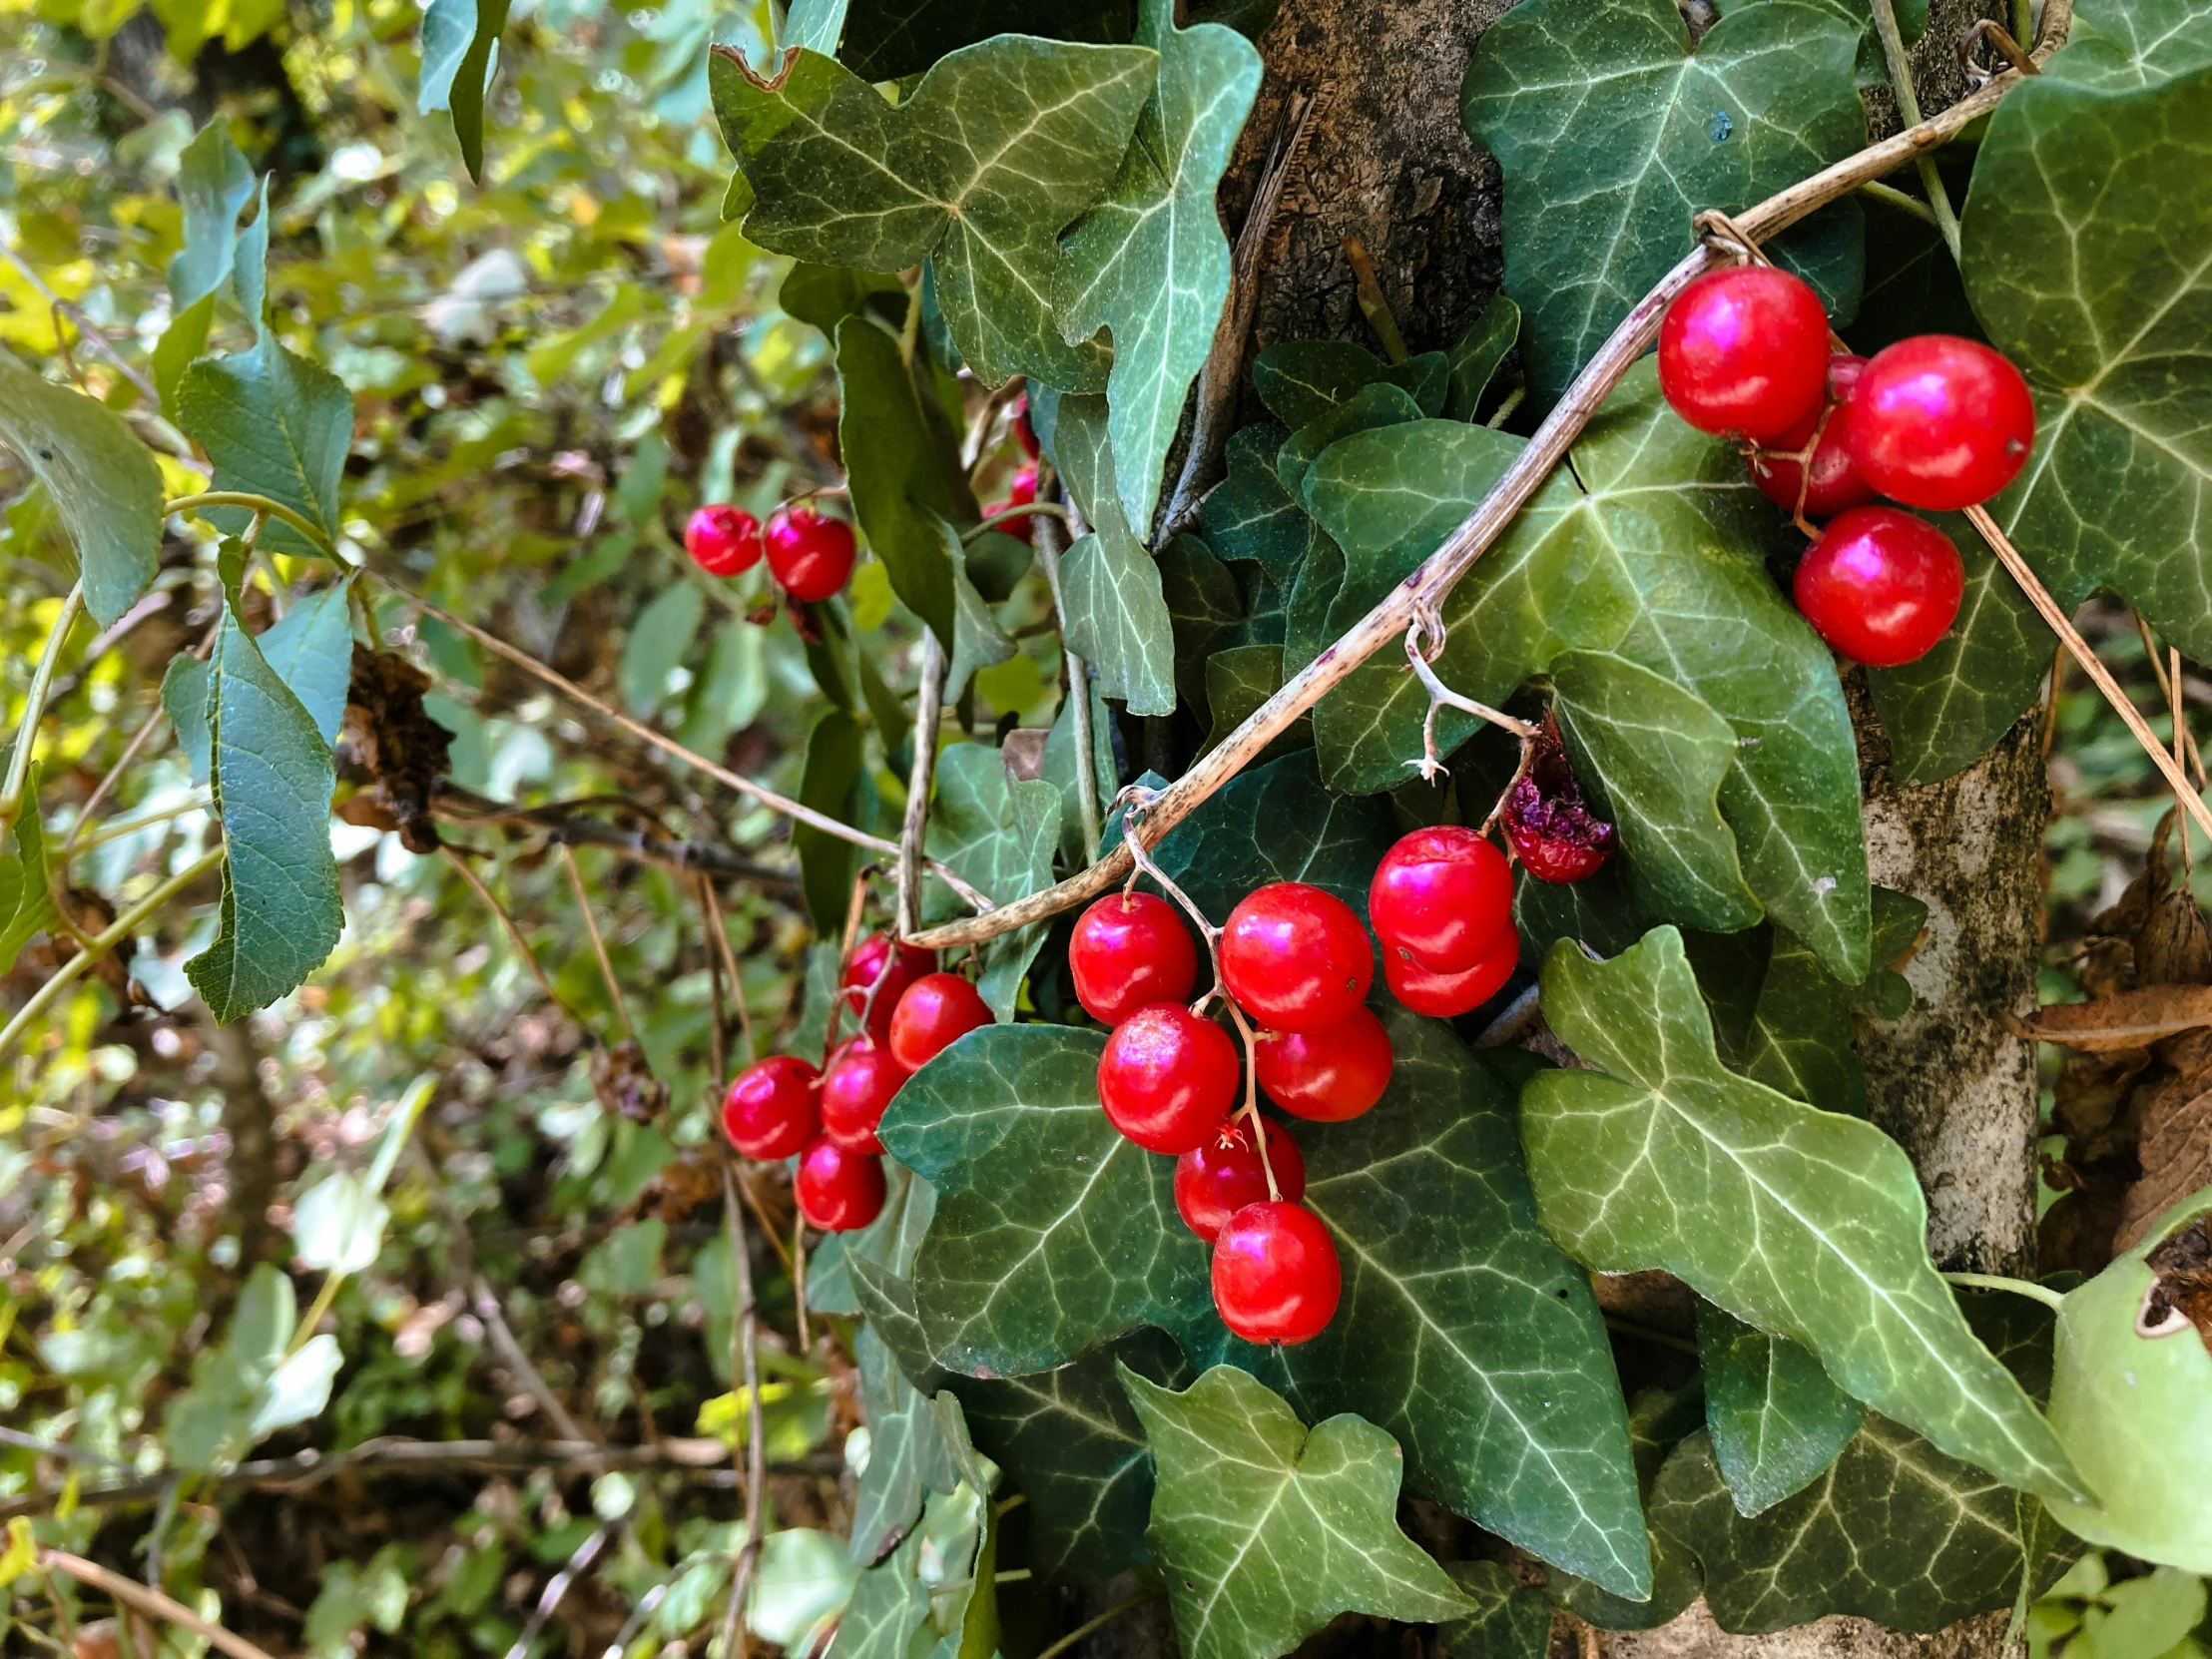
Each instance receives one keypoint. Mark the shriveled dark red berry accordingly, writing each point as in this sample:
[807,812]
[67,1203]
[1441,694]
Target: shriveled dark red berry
[1549,822]
[1215,1180]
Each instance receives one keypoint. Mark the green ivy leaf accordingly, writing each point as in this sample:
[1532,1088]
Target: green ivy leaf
[1060,769]
[1052,1233]
[890,1602]
[1267,1529]
[1301,381]
[1149,261]
[952,174]
[273,424]
[101,480]
[272,777]
[1658,1419]
[1511,1620]
[907,1455]
[1205,610]
[1671,1160]
[999,834]
[1113,612]
[977,640]
[831,782]
[1776,1420]
[1249,515]
[824,295]
[1799,1040]
[1463,1331]
[1612,132]
[660,639]
[1276,822]
[2125,45]
[26,897]
[1367,409]
[2112,495]
[1474,357]
[1237,681]
[1649,546]
[460,45]
[887,40]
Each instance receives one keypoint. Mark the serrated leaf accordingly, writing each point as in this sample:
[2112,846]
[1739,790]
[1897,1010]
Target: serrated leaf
[1775,1419]
[312,649]
[1613,132]
[903,461]
[1267,1529]
[460,44]
[1664,1158]
[1149,261]
[1650,545]
[1463,1331]
[101,480]
[1474,357]
[1511,1620]
[26,895]
[977,170]
[274,425]
[2114,494]
[1000,834]
[1301,381]
[1112,611]
[831,782]
[273,777]
[214,182]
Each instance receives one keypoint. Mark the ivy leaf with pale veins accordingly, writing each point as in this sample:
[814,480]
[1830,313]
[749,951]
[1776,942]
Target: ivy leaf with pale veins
[907,1455]
[273,777]
[1658,1419]
[1266,1530]
[1463,1330]
[1250,516]
[1802,1223]
[2117,493]
[994,153]
[1149,261]
[1276,822]
[1650,546]
[1379,404]
[2121,45]
[1613,132]
[1052,1233]
[1512,1620]
[1799,1039]
[1114,614]
[998,834]
[1301,381]
[102,479]
[1775,1419]
[1474,357]
[1237,681]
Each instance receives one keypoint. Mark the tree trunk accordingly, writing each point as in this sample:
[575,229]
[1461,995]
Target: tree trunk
[1386,161]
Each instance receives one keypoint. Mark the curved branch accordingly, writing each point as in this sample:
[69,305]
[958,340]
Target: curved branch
[1427,586]
[259,504]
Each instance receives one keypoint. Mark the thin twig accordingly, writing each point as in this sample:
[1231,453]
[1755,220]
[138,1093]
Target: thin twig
[598,942]
[1436,574]
[85,327]
[148,1601]
[557,1587]
[979,429]
[484,1302]
[34,708]
[1372,303]
[1021,509]
[566,820]
[1908,111]
[929,710]
[798,1260]
[454,857]
[2171,690]
[718,936]
[2062,625]
[1112,1614]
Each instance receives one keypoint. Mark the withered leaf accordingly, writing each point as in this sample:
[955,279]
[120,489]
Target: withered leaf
[399,744]
[2130,1019]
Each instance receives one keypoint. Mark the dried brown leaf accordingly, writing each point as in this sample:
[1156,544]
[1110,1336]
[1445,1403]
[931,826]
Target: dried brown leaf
[2176,1155]
[2132,1019]
[388,734]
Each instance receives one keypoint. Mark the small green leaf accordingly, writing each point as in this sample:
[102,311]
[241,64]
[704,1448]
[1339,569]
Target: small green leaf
[1249,515]
[101,480]
[831,782]
[888,1604]
[1776,1420]
[298,1389]
[977,640]
[338,1224]
[907,1457]
[272,777]
[460,44]
[1060,769]
[1267,1529]
[2121,45]
[1304,380]
[952,175]
[813,24]
[1205,610]
[214,182]
[1475,356]
[1237,681]
[1664,1158]
[660,639]
[1113,612]
[274,425]
[824,295]
[1658,1419]
[26,897]
[1511,1620]
[1369,408]
[1149,261]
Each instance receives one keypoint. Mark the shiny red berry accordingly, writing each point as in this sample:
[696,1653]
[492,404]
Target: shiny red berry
[1130,950]
[773,1107]
[1744,350]
[1547,822]
[812,556]
[1275,1276]
[1444,894]
[1024,434]
[858,1085]
[1443,996]
[723,540]
[937,1010]
[1327,1075]
[839,1189]
[1881,586]
[1215,1180]
[1940,422]
[1295,957]
[873,956]
[1168,1078]
[1835,482]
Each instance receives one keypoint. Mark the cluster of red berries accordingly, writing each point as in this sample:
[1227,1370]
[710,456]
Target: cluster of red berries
[810,554]
[1021,490]
[1935,421]
[782,1106]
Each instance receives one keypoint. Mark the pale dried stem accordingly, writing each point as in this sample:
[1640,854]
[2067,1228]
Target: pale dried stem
[718,933]
[34,708]
[556,1588]
[1078,674]
[979,429]
[459,863]
[1429,626]
[854,906]
[1441,570]
[598,943]
[746,1367]
[148,1601]
[929,710]
[797,1261]
[484,1302]
[2171,690]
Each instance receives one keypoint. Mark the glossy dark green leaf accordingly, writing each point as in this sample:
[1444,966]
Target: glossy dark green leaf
[1612,132]
[907,1454]
[1658,1419]
[1204,609]
[951,174]
[1474,357]
[1267,1529]
[1661,1157]
[999,834]
[101,479]
[1113,613]
[26,898]
[273,777]
[889,1241]
[1775,1418]
[831,782]
[824,295]
[1150,263]
[1511,1620]
[1237,681]
[1249,515]
[1367,409]
[1276,823]
[1301,381]
[2121,45]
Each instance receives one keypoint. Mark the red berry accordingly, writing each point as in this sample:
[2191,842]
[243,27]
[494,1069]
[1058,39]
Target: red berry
[1326,1075]
[1546,820]
[1881,586]
[1217,1179]
[808,554]
[1024,490]
[1295,957]
[855,1091]
[839,1189]
[1441,995]
[937,1010]
[1276,1277]
[1444,894]
[869,960]
[1024,434]
[1744,350]
[1130,950]
[773,1107]
[1940,422]
[1168,1078]
[1835,482]
[722,539]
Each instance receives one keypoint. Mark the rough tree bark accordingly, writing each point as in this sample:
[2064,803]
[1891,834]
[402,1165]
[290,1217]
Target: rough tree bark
[1386,161]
